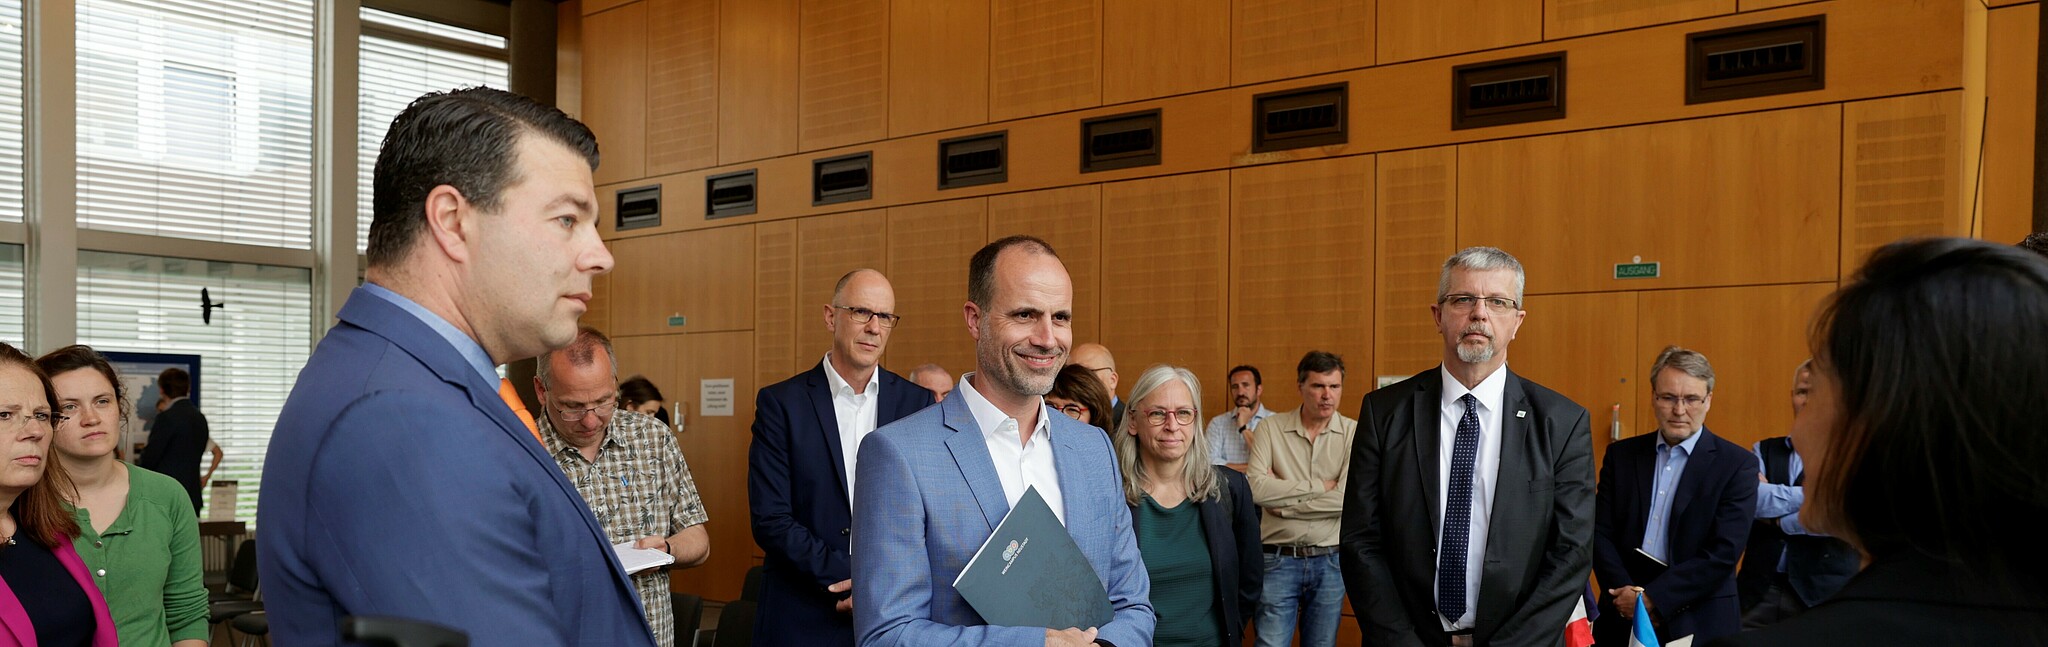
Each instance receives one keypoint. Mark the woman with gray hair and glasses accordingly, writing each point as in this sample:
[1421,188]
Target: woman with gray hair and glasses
[1197,527]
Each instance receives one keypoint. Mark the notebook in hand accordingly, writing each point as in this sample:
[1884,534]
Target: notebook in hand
[1642,568]
[1030,574]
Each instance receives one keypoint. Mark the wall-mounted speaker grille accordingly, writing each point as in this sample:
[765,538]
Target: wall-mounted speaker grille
[974,160]
[1299,118]
[1756,60]
[1120,141]
[639,208]
[730,194]
[1513,91]
[845,178]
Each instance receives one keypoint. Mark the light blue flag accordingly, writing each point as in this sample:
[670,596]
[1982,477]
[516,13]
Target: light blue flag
[1643,635]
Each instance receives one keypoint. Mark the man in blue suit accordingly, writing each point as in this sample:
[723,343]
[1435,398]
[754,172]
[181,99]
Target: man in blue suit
[807,431]
[1672,515]
[933,486]
[399,483]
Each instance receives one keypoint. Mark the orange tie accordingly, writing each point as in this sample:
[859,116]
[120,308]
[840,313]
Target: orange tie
[511,398]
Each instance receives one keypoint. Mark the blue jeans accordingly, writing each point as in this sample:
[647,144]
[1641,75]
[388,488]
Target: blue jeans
[1310,588]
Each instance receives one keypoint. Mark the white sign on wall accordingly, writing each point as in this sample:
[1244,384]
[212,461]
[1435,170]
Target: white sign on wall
[714,397]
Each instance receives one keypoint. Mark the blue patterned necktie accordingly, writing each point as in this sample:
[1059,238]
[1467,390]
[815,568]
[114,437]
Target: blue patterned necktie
[1450,564]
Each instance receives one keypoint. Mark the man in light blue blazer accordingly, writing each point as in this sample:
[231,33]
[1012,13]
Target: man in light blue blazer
[934,485]
[399,482]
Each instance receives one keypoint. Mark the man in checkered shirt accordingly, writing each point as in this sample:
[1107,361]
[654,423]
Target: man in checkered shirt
[627,466]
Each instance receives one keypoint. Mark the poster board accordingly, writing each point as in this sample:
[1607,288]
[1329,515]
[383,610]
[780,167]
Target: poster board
[138,373]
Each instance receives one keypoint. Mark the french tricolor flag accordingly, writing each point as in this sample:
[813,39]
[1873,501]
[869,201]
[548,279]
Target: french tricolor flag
[1579,632]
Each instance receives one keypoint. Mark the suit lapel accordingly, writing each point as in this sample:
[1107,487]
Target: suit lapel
[1696,468]
[820,390]
[970,454]
[1427,445]
[1511,500]
[1067,459]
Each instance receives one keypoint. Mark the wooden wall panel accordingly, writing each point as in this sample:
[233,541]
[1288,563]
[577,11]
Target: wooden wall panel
[1568,18]
[1416,210]
[929,248]
[1070,220]
[682,85]
[705,275]
[1584,346]
[1279,39]
[594,6]
[828,248]
[1164,297]
[1416,29]
[1756,5]
[938,65]
[1722,201]
[599,315]
[775,312]
[1156,48]
[569,57]
[1301,266]
[843,86]
[615,90]
[1754,335]
[1901,174]
[2009,146]
[1045,56]
[757,79]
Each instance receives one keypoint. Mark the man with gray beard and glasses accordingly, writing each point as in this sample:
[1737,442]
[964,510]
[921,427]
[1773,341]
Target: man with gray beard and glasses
[1493,547]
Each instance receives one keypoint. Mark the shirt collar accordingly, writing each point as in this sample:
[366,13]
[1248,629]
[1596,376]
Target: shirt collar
[470,350]
[1489,392]
[1686,444]
[841,387]
[988,417]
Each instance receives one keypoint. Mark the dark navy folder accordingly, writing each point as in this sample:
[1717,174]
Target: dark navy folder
[1030,574]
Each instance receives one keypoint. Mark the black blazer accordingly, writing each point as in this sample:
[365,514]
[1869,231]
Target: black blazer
[1710,518]
[796,492]
[1538,544]
[176,442]
[1908,601]
[1231,523]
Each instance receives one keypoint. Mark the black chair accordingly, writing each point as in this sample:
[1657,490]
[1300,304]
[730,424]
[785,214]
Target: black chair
[381,631]
[751,589]
[735,625]
[241,582]
[254,627]
[689,610]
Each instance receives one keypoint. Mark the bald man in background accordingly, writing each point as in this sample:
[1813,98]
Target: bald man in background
[807,432]
[933,378]
[1098,360]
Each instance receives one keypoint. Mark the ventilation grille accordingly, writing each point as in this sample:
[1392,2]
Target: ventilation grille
[1299,118]
[1513,91]
[1120,141]
[728,195]
[1756,60]
[974,160]
[842,179]
[638,208]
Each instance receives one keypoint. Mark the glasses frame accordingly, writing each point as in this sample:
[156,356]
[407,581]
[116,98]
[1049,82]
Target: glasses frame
[863,315]
[1499,305]
[1157,417]
[577,415]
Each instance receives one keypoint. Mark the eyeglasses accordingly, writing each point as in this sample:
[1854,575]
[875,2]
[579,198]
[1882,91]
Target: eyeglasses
[1074,411]
[17,420]
[1670,401]
[863,315]
[602,409]
[1465,302]
[1157,417]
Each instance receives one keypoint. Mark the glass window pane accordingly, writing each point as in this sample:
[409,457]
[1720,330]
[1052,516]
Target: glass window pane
[395,72]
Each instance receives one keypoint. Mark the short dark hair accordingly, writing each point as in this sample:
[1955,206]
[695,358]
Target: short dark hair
[1317,361]
[80,356]
[174,382]
[1935,345]
[1257,379]
[2036,242]
[638,390]
[1075,382]
[981,271]
[465,138]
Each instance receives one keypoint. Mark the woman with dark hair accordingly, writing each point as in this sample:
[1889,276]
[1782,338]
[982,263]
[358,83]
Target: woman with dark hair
[1077,392]
[638,394]
[1923,446]
[1197,526]
[46,596]
[136,528]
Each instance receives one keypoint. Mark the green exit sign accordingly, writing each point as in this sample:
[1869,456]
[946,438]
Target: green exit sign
[1636,270]
[677,321]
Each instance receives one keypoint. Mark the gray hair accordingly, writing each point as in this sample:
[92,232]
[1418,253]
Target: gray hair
[581,352]
[1689,362]
[1196,473]
[1480,259]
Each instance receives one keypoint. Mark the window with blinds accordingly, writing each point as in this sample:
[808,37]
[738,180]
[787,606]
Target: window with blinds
[250,355]
[195,119]
[12,100]
[403,58]
[12,317]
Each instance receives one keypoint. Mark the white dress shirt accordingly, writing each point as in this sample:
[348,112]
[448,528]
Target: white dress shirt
[1485,474]
[1019,465]
[855,413]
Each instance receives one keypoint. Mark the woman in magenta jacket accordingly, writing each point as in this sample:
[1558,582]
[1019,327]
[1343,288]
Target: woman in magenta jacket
[46,597]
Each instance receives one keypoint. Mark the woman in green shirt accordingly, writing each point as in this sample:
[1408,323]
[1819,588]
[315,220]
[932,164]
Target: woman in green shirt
[1197,527]
[137,531]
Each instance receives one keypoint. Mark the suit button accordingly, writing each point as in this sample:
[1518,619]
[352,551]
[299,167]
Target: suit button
[103,572]
[845,532]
